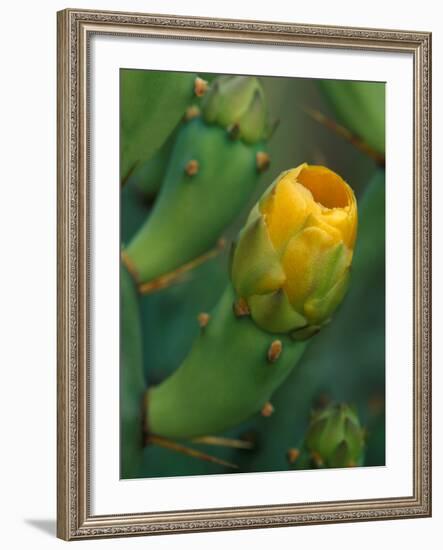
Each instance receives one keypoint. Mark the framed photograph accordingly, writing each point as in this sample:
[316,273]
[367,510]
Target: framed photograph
[244,294]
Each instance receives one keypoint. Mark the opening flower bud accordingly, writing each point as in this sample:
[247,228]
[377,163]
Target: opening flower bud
[237,102]
[292,260]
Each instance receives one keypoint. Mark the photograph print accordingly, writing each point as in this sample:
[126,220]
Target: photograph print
[252,284]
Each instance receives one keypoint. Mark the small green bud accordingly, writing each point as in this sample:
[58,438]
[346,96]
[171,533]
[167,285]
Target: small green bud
[335,438]
[237,103]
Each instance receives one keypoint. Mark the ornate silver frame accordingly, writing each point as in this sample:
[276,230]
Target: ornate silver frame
[74,519]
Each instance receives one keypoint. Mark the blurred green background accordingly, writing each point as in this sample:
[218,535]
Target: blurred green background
[346,361]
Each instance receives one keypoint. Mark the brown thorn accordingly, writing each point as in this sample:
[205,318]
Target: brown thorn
[130,266]
[200,87]
[192,112]
[292,455]
[316,459]
[347,135]
[168,279]
[241,308]
[203,319]
[267,409]
[262,161]
[223,442]
[188,451]
[192,167]
[274,351]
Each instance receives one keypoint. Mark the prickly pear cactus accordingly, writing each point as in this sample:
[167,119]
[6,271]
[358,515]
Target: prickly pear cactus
[187,356]
[213,168]
[251,354]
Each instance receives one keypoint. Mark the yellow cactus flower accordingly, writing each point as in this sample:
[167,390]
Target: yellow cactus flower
[292,260]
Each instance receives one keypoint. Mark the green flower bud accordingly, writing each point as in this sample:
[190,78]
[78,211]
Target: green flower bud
[238,104]
[335,438]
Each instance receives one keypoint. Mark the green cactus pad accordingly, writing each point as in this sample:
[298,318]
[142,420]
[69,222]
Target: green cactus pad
[152,103]
[132,381]
[225,379]
[148,176]
[360,106]
[192,210]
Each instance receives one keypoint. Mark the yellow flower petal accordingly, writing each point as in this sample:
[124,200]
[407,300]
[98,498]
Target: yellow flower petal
[318,220]
[286,209]
[336,199]
[301,261]
[327,187]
